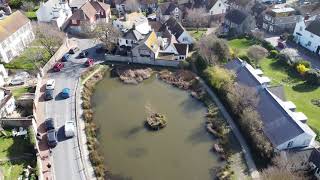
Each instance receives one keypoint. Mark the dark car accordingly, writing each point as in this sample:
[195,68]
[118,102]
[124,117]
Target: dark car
[52,138]
[281,45]
[100,50]
[65,93]
[89,62]
[65,57]
[58,66]
[83,54]
[48,94]
[73,50]
[49,123]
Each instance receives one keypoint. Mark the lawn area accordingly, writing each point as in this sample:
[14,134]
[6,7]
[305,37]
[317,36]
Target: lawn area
[18,92]
[31,15]
[197,35]
[296,90]
[24,61]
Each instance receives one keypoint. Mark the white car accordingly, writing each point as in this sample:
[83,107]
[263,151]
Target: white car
[50,84]
[69,129]
[16,81]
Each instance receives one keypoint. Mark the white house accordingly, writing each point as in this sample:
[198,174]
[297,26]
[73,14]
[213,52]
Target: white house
[7,103]
[219,8]
[176,29]
[307,33]
[54,10]
[16,34]
[3,75]
[169,47]
[134,20]
[130,38]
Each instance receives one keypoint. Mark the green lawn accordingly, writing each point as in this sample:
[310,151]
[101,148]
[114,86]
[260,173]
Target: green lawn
[197,35]
[31,15]
[18,92]
[24,61]
[296,89]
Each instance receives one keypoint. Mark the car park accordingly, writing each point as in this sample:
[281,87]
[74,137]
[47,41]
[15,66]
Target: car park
[89,62]
[65,57]
[73,50]
[65,93]
[58,66]
[16,81]
[69,129]
[49,124]
[83,54]
[50,84]
[48,94]
[52,138]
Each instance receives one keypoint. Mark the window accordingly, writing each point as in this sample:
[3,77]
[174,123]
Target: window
[219,4]
[309,43]
[290,144]
[74,21]
[301,28]
[311,35]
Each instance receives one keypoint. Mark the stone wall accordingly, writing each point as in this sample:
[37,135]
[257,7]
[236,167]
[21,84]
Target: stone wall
[141,60]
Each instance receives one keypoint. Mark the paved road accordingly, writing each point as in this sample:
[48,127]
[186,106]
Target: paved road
[66,159]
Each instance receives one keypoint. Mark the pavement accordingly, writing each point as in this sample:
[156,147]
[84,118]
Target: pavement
[66,162]
[303,53]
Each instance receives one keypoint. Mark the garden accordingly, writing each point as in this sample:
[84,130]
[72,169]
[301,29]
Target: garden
[297,89]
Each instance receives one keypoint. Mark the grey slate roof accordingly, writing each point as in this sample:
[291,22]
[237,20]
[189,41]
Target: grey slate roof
[236,16]
[172,6]
[173,26]
[181,48]
[314,27]
[134,35]
[315,157]
[278,126]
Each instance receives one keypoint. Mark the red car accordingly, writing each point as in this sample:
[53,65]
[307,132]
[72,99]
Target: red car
[89,62]
[58,66]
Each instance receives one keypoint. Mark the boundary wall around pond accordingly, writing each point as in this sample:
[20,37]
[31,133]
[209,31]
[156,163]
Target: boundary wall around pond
[142,60]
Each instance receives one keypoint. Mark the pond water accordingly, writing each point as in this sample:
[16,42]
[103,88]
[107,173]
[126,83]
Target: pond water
[182,150]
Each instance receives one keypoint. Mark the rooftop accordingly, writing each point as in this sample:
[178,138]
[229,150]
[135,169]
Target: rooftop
[11,24]
[283,10]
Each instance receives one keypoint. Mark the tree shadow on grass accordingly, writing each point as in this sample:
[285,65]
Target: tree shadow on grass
[304,87]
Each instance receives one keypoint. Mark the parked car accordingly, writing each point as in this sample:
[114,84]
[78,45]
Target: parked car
[49,123]
[50,84]
[69,129]
[65,93]
[52,138]
[16,81]
[89,62]
[73,50]
[65,57]
[281,45]
[101,50]
[48,94]
[58,66]
[83,54]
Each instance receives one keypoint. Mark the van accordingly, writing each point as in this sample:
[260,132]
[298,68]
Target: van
[69,129]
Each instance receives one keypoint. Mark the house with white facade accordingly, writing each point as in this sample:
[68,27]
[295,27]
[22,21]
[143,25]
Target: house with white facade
[219,8]
[16,34]
[130,38]
[57,11]
[176,29]
[284,127]
[3,75]
[169,10]
[307,33]
[134,20]
[7,103]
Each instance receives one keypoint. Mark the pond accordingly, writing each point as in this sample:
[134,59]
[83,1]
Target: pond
[182,150]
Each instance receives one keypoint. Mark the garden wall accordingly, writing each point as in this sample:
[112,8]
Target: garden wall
[141,60]
[16,122]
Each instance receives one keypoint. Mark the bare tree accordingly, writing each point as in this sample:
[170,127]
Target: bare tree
[48,36]
[132,5]
[258,34]
[36,57]
[257,53]
[107,34]
[27,6]
[196,17]
[214,50]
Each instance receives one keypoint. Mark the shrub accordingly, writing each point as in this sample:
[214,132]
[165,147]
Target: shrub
[219,77]
[257,53]
[267,45]
[15,4]
[201,64]
[274,53]
[184,64]
[302,69]
[307,64]
[246,58]
[313,77]
[290,38]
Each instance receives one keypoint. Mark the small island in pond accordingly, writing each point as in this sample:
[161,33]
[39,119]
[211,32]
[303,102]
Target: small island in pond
[155,121]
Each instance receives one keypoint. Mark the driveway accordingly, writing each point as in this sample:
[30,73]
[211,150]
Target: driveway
[303,53]
[66,159]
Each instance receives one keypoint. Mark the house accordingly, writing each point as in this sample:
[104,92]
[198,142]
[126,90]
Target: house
[145,5]
[76,4]
[176,29]
[130,39]
[167,10]
[5,8]
[16,34]
[307,33]
[258,12]
[133,20]
[120,6]
[219,8]
[149,48]
[3,75]
[238,22]
[57,11]
[88,15]
[280,19]
[7,103]
[283,126]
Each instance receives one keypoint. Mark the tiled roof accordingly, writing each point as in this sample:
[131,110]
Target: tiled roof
[181,48]
[236,16]
[152,42]
[314,27]
[133,34]
[89,10]
[11,24]
[173,26]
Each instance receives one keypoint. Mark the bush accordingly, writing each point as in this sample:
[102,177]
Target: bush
[184,64]
[219,77]
[301,69]
[246,58]
[267,45]
[313,77]
[274,53]
[290,38]
[307,64]
[200,63]
[15,4]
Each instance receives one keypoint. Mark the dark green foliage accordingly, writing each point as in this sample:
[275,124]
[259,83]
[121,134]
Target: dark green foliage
[201,64]
[267,45]
[274,53]
[15,4]
[313,77]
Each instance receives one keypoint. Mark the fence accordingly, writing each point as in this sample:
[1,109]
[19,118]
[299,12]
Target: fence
[142,60]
